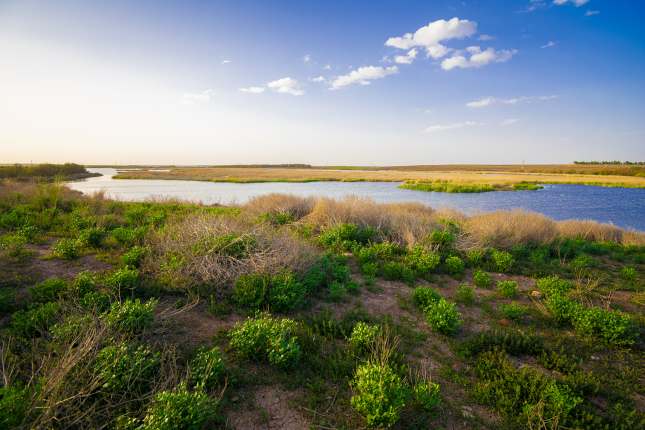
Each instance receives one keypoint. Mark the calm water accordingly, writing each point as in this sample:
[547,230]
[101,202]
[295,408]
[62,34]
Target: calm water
[624,207]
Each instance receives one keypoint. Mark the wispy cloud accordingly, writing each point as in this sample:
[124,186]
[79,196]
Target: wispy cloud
[286,86]
[549,44]
[592,12]
[327,67]
[490,101]
[474,57]
[226,61]
[407,58]
[576,3]
[253,90]
[509,121]
[318,79]
[485,37]
[445,127]
[363,76]
[306,58]
[197,98]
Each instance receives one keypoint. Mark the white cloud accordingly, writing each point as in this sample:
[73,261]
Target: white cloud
[444,127]
[306,58]
[576,3]
[286,86]
[318,79]
[197,98]
[253,90]
[477,58]
[407,58]
[431,36]
[549,44]
[485,37]
[509,121]
[363,76]
[489,101]
[327,67]
[592,12]
[226,61]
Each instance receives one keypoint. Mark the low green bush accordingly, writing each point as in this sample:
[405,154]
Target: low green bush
[363,336]
[443,240]
[454,265]
[507,288]
[267,338]
[67,249]
[96,300]
[126,368]
[425,296]
[92,237]
[128,236]
[502,261]
[48,290]
[337,291]
[514,342]
[582,262]
[426,394]
[513,311]
[562,308]
[207,368]
[134,256]
[553,285]
[443,317]
[14,405]
[346,236]
[83,284]
[131,316]
[329,268]
[286,292]
[482,279]
[380,394]
[465,294]
[14,246]
[34,321]
[378,252]
[629,275]
[250,290]
[277,218]
[475,257]
[397,271]
[612,326]
[123,280]
[179,409]
[422,261]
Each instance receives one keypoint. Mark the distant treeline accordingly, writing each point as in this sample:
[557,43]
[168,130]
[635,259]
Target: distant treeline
[24,171]
[615,162]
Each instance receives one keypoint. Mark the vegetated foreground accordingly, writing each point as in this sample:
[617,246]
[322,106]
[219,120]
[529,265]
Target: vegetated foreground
[294,313]
[460,179]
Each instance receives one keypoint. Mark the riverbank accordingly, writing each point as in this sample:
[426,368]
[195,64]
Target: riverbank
[493,179]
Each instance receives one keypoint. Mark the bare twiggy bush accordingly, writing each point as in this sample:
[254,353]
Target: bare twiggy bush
[504,229]
[589,230]
[384,347]
[295,206]
[215,250]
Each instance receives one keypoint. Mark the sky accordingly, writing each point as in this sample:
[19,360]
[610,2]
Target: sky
[322,82]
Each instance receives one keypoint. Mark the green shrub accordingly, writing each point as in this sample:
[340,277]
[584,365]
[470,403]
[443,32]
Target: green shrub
[328,268]
[465,294]
[69,329]
[250,290]
[179,409]
[13,245]
[337,291]
[482,279]
[442,239]
[67,249]
[553,285]
[426,395]
[267,338]
[611,326]
[14,405]
[629,274]
[346,236]
[286,293]
[502,261]
[92,237]
[380,394]
[369,270]
[124,368]
[562,308]
[48,290]
[83,284]
[396,271]
[443,317]
[507,288]
[125,279]
[128,236]
[96,300]
[513,311]
[514,342]
[422,261]
[454,265]
[134,256]
[277,218]
[582,262]
[475,257]
[207,368]
[363,335]
[35,321]
[424,297]
[131,316]
[7,300]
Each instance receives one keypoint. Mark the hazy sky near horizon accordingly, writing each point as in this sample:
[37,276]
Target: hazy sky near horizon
[327,82]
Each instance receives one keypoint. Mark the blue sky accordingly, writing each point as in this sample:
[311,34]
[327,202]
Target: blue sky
[360,82]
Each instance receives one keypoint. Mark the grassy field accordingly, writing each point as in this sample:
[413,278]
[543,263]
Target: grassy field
[492,179]
[298,313]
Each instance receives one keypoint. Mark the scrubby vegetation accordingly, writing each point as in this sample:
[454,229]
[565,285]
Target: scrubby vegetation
[44,171]
[346,314]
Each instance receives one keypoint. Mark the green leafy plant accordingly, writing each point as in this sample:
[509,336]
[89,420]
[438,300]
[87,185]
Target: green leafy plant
[48,290]
[250,290]
[346,236]
[454,265]
[425,296]
[134,256]
[131,316]
[443,317]
[397,271]
[363,335]
[502,261]
[14,405]
[426,394]
[475,257]
[465,294]
[67,249]
[507,288]
[286,292]
[380,394]
[482,279]
[267,338]
[123,280]
[126,368]
[422,261]
[207,368]
[513,311]
[92,237]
